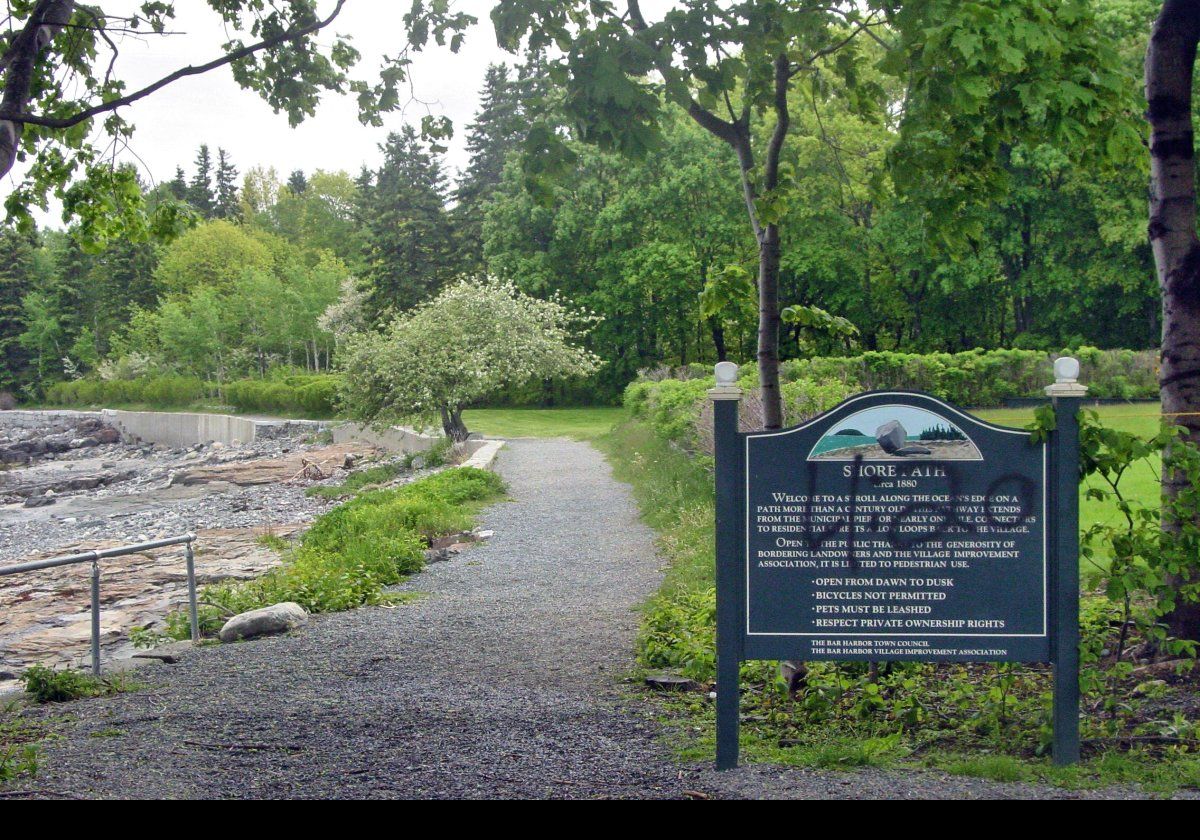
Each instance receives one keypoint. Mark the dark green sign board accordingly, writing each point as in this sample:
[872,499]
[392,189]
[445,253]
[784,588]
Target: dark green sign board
[897,527]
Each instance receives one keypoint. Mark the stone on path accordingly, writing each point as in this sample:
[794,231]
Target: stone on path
[167,654]
[671,682]
[269,621]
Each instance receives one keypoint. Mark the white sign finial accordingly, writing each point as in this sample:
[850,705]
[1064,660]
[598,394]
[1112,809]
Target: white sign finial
[727,373]
[1066,370]
[727,389]
[1066,379]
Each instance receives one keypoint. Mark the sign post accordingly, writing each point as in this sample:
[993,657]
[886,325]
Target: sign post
[897,527]
[727,449]
[1066,394]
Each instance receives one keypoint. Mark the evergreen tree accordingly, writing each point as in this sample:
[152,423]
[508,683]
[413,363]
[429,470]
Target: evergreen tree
[227,205]
[497,131]
[120,279]
[200,191]
[409,244]
[16,280]
[178,187]
[298,182]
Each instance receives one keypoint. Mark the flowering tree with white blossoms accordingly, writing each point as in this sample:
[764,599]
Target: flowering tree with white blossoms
[470,342]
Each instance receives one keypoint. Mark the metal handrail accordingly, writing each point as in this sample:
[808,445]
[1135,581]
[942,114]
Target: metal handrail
[94,557]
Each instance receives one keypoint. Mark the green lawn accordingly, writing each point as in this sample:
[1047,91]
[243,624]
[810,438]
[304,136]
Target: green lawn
[1139,418]
[1141,482]
[578,423]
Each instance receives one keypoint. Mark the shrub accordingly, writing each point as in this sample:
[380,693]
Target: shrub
[378,474]
[158,391]
[313,394]
[293,394]
[457,486]
[983,378]
[673,401]
[374,540]
[679,633]
[47,685]
[806,398]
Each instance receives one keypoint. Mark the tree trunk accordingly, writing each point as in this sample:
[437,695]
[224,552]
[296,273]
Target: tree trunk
[45,22]
[1170,60]
[452,424]
[718,338]
[736,132]
[769,254]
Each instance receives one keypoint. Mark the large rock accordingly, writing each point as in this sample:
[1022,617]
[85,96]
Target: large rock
[269,621]
[108,434]
[891,436]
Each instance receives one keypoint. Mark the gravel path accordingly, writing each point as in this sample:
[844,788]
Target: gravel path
[501,683]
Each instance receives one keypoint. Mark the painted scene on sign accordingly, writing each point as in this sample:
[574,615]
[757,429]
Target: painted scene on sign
[895,433]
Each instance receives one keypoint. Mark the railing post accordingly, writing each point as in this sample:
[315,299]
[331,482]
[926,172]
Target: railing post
[193,613]
[725,398]
[1067,395]
[96,617]
[94,557]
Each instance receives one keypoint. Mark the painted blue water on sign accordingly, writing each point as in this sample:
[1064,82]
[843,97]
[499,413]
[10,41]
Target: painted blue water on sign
[832,442]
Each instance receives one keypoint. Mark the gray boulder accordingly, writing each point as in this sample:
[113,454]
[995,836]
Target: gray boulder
[891,436]
[269,621]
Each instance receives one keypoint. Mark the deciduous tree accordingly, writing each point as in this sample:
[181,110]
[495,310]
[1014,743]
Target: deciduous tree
[60,78]
[976,76]
[1170,67]
[471,341]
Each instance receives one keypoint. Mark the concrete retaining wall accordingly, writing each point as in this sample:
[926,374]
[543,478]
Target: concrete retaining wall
[178,430]
[37,418]
[484,458]
[395,439]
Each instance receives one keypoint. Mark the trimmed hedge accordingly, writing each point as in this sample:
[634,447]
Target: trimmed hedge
[160,391]
[313,394]
[985,378]
[676,409]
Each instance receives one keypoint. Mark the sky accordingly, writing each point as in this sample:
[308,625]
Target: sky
[211,108]
[914,420]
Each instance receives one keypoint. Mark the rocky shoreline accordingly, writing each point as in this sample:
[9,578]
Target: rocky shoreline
[74,484]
